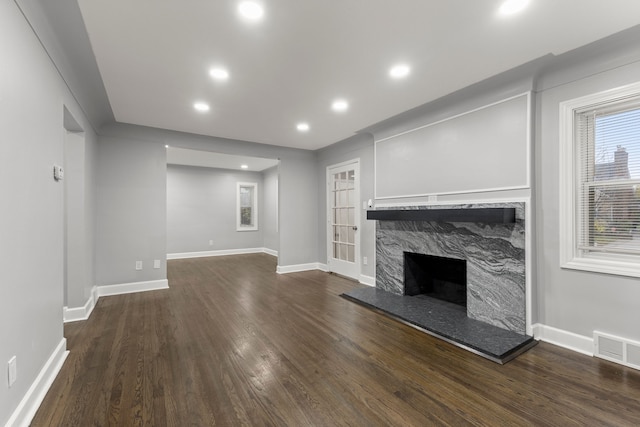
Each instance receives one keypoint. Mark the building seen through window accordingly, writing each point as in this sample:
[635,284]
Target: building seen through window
[611,192]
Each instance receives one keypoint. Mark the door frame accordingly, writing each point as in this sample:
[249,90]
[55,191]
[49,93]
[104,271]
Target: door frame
[357,219]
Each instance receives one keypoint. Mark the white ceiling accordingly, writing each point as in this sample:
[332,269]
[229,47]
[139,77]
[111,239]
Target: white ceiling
[154,57]
[183,156]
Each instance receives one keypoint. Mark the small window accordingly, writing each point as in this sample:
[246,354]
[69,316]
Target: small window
[600,197]
[247,213]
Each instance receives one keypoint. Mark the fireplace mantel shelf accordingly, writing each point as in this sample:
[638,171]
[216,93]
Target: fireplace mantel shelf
[482,215]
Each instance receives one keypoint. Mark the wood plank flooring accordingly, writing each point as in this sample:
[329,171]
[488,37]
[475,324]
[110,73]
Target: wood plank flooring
[232,343]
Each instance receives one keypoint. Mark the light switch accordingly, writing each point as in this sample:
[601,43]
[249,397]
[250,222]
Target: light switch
[13,371]
[58,173]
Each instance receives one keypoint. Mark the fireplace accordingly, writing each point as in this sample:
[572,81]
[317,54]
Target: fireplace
[442,278]
[493,250]
[432,261]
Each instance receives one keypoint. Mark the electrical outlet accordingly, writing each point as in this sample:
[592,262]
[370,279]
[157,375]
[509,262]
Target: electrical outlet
[138,265]
[13,371]
[365,260]
[210,242]
[156,263]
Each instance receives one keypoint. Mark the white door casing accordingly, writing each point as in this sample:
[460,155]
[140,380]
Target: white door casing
[343,218]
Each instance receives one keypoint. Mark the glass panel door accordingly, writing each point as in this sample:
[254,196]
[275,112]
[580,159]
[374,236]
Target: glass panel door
[343,216]
[343,219]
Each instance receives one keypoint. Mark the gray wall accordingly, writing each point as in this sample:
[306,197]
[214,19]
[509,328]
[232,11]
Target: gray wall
[495,89]
[201,206]
[574,301]
[357,147]
[462,154]
[90,203]
[270,209]
[131,210]
[137,151]
[61,31]
[79,201]
[32,219]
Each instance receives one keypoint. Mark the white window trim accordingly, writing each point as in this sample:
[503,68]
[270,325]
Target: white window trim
[570,256]
[239,226]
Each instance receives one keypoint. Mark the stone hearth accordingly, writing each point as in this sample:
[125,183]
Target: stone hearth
[446,321]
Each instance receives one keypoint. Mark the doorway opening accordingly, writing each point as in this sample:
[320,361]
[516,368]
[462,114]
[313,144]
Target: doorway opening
[221,204]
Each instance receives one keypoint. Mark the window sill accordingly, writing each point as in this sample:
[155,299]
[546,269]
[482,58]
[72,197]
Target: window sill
[627,267]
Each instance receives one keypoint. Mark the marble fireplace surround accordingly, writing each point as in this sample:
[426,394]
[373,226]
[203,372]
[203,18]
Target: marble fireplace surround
[491,238]
[494,251]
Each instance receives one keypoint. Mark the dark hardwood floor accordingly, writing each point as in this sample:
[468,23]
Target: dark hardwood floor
[232,343]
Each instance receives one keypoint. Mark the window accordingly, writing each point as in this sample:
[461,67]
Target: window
[600,182]
[247,213]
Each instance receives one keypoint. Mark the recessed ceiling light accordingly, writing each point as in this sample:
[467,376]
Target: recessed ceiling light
[399,71]
[251,10]
[340,105]
[509,7]
[201,106]
[303,127]
[219,73]
[244,166]
[166,146]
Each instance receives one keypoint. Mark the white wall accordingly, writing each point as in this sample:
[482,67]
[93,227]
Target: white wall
[513,83]
[462,154]
[568,300]
[79,170]
[451,112]
[131,210]
[270,227]
[32,100]
[201,206]
[121,145]
[74,213]
[358,147]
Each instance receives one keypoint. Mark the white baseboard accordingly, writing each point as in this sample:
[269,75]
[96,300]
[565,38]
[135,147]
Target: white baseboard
[271,252]
[94,295]
[31,401]
[80,313]
[367,280]
[223,252]
[285,269]
[129,288]
[559,337]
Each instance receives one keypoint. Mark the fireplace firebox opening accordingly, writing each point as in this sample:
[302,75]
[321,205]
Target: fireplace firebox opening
[436,277]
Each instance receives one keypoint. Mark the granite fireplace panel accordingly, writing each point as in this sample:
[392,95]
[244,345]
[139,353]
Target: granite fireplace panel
[495,255]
